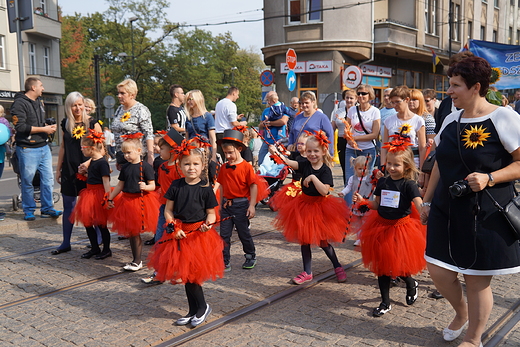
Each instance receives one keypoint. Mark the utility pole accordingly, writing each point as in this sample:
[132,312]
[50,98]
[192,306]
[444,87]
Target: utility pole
[450,26]
[132,20]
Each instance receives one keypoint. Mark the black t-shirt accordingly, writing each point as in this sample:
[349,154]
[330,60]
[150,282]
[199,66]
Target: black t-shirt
[190,202]
[96,170]
[156,164]
[247,155]
[407,191]
[176,115]
[131,175]
[324,174]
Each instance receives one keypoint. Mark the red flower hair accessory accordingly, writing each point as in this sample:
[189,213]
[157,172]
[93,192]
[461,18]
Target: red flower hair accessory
[202,140]
[97,137]
[161,132]
[322,138]
[184,148]
[81,177]
[307,132]
[136,135]
[398,143]
[241,128]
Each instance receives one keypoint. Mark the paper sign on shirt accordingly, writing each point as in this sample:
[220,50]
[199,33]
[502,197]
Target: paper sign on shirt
[390,198]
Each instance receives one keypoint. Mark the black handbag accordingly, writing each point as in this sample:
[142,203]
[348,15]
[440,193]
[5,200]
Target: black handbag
[428,163]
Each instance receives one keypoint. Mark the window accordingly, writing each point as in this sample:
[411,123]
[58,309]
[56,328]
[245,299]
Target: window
[294,11]
[495,36]
[517,37]
[32,58]
[456,23]
[2,52]
[441,84]
[430,19]
[510,36]
[43,6]
[314,9]
[409,78]
[470,30]
[496,3]
[308,82]
[483,33]
[46,61]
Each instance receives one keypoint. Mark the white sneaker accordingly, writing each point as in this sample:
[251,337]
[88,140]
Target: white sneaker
[133,266]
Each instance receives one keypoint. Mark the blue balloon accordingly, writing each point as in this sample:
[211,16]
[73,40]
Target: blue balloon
[4,134]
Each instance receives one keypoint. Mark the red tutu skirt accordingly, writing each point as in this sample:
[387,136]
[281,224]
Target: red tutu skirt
[194,259]
[263,188]
[130,217]
[285,195]
[393,247]
[89,209]
[312,220]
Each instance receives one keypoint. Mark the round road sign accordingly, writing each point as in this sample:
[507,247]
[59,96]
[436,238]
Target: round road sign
[352,76]
[266,78]
[290,80]
[109,101]
[290,59]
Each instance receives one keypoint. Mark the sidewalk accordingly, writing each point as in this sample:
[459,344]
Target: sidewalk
[75,309]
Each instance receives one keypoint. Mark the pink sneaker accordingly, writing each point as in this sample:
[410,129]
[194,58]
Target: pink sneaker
[302,278]
[340,274]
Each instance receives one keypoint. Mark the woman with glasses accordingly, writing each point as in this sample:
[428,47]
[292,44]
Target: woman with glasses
[365,121]
[349,100]
[406,123]
[199,120]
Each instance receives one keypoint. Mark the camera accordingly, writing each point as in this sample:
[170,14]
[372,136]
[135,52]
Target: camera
[459,188]
[50,121]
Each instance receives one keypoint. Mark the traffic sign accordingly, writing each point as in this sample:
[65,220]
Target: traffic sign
[266,78]
[352,76]
[109,101]
[290,80]
[290,58]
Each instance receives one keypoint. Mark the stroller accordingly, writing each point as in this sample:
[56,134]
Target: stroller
[17,198]
[274,174]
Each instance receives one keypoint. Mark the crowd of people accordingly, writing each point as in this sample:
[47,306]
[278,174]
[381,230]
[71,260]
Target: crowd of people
[199,172]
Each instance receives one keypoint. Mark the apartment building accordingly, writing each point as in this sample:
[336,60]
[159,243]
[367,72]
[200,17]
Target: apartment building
[41,56]
[390,40]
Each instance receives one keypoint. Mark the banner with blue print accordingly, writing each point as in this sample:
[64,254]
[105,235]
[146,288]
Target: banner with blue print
[504,57]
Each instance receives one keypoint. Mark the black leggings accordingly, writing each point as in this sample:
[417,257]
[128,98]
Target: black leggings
[196,299]
[92,236]
[384,286]
[307,257]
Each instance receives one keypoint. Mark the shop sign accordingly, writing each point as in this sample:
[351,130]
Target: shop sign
[6,94]
[308,66]
[374,70]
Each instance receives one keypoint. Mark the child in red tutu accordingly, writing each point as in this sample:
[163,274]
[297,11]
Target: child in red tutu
[190,251]
[90,210]
[137,209]
[393,241]
[313,217]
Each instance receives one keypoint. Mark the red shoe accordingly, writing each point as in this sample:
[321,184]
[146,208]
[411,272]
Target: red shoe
[340,274]
[302,278]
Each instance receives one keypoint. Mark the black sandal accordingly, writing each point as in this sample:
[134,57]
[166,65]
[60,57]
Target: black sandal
[59,251]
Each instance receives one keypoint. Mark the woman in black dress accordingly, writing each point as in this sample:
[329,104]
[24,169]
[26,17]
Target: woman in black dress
[481,145]
[74,126]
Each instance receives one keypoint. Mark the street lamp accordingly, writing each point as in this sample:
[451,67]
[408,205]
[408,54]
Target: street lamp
[132,20]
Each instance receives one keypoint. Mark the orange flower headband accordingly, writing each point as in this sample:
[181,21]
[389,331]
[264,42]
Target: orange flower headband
[241,128]
[136,135]
[161,132]
[184,148]
[97,137]
[322,138]
[398,143]
[203,141]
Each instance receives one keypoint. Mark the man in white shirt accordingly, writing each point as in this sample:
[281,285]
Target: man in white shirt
[226,115]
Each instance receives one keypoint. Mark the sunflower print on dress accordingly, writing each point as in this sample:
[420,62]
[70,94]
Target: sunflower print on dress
[475,136]
[78,132]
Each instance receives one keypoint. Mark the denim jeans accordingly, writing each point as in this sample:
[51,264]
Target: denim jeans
[349,170]
[30,160]
[159,230]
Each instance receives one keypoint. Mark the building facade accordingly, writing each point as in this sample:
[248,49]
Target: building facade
[390,40]
[41,56]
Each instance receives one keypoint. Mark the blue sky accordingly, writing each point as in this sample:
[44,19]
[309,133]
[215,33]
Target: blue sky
[198,12]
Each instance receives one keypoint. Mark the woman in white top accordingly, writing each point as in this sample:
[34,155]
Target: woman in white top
[412,123]
[349,100]
[365,121]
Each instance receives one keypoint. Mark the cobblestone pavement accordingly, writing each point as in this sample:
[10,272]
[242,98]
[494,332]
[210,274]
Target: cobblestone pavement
[64,300]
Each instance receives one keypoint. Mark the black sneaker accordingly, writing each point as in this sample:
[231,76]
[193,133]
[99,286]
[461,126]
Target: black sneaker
[227,267]
[250,262]
[150,280]
[150,242]
[381,310]
[411,294]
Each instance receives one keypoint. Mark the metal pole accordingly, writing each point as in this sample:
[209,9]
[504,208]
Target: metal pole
[450,25]
[20,46]
[98,86]
[133,55]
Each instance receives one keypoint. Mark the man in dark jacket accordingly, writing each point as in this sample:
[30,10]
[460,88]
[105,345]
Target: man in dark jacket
[32,149]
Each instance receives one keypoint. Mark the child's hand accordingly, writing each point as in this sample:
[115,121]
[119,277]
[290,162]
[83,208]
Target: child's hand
[425,212]
[205,227]
[357,197]
[379,174]
[272,149]
[180,234]
[308,180]
[110,204]
[340,194]
[251,211]
[142,185]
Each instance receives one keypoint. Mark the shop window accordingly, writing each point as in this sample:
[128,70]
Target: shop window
[308,82]
[411,79]
[441,83]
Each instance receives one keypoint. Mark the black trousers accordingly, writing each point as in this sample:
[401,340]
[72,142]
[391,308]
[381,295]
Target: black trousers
[241,222]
